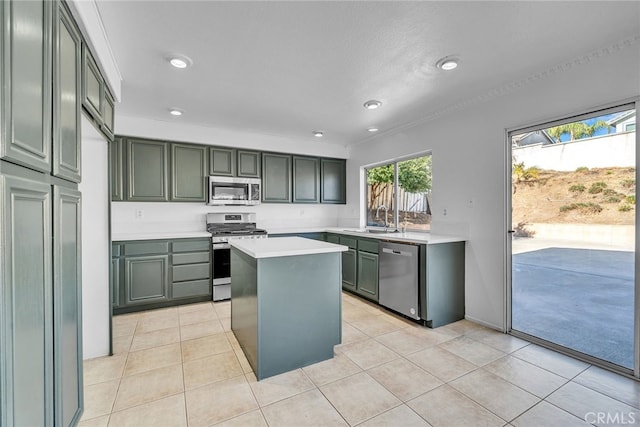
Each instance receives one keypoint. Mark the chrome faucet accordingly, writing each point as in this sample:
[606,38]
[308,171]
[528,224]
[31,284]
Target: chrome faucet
[386,225]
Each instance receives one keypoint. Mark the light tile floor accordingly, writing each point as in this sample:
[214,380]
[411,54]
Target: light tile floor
[183,366]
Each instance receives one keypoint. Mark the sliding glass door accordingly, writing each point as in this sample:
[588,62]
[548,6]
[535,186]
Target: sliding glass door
[573,227]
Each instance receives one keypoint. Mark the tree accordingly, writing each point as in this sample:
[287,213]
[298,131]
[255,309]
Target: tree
[414,175]
[576,130]
[379,179]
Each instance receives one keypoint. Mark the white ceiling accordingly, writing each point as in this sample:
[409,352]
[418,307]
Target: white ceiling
[288,68]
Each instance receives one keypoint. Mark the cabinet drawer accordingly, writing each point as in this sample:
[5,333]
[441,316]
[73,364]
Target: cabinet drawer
[192,288]
[190,272]
[191,245]
[352,242]
[190,258]
[368,246]
[142,248]
[333,238]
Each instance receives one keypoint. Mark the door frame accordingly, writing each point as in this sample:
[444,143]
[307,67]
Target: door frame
[622,105]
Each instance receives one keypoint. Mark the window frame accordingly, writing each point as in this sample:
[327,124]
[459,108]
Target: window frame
[396,186]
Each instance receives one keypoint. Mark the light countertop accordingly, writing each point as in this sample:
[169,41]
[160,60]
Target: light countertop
[121,237]
[284,246]
[409,237]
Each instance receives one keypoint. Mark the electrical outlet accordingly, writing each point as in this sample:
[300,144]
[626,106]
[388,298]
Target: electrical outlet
[139,214]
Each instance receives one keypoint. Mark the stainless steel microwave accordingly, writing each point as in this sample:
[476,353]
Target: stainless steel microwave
[226,190]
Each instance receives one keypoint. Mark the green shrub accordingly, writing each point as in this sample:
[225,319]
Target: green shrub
[628,183]
[631,199]
[577,188]
[609,192]
[582,169]
[612,199]
[624,208]
[583,207]
[597,187]
[609,172]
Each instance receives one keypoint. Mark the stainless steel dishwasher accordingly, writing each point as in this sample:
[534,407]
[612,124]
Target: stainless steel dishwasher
[398,278]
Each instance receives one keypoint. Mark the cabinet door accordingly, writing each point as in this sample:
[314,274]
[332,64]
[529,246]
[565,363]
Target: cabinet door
[333,238]
[332,181]
[116,282]
[222,161]
[116,163]
[248,164]
[146,279]
[108,113]
[276,178]
[188,170]
[147,166]
[66,96]
[92,86]
[67,303]
[25,303]
[306,179]
[25,121]
[368,275]
[349,263]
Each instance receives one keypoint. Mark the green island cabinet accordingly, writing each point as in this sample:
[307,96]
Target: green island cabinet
[306,179]
[148,274]
[276,178]
[40,253]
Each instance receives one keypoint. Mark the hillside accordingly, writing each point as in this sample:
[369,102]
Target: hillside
[587,196]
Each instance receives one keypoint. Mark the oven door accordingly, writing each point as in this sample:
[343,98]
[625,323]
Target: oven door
[221,264]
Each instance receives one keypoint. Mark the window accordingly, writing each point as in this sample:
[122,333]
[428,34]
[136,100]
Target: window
[399,194]
[630,127]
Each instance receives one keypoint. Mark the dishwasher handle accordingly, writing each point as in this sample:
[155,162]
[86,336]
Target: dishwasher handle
[395,252]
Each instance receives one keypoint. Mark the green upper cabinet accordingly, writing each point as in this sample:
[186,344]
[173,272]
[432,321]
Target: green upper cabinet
[306,179]
[147,164]
[222,161]
[116,166]
[276,178]
[248,164]
[333,181]
[25,89]
[66,96]
[108,113]
[92,86]
[188,170]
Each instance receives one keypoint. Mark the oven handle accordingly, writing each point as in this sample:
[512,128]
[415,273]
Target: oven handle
[221,246]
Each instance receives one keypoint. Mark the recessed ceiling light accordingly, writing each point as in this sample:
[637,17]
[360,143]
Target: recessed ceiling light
[180,61]
[372,104]
[448,63]
[318,133]
[175,112]
[373,129]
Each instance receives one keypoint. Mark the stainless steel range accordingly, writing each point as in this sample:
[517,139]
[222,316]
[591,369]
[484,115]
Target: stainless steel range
[225,226]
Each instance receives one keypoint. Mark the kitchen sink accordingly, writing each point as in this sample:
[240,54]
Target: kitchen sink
[372,230]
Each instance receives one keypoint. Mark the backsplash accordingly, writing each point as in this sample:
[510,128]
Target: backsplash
[135,217]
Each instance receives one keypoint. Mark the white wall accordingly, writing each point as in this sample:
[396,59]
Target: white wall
[184,217]
[605,151]
[96,301]
[470,159]
[178,130]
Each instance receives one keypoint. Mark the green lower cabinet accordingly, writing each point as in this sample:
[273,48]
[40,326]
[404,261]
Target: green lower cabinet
[67,303]
[333,238]
[150,274]
[146,279]
[367,278]
[349,270]
[26,303]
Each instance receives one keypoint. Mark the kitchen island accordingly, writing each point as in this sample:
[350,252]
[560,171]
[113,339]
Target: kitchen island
[285,301]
